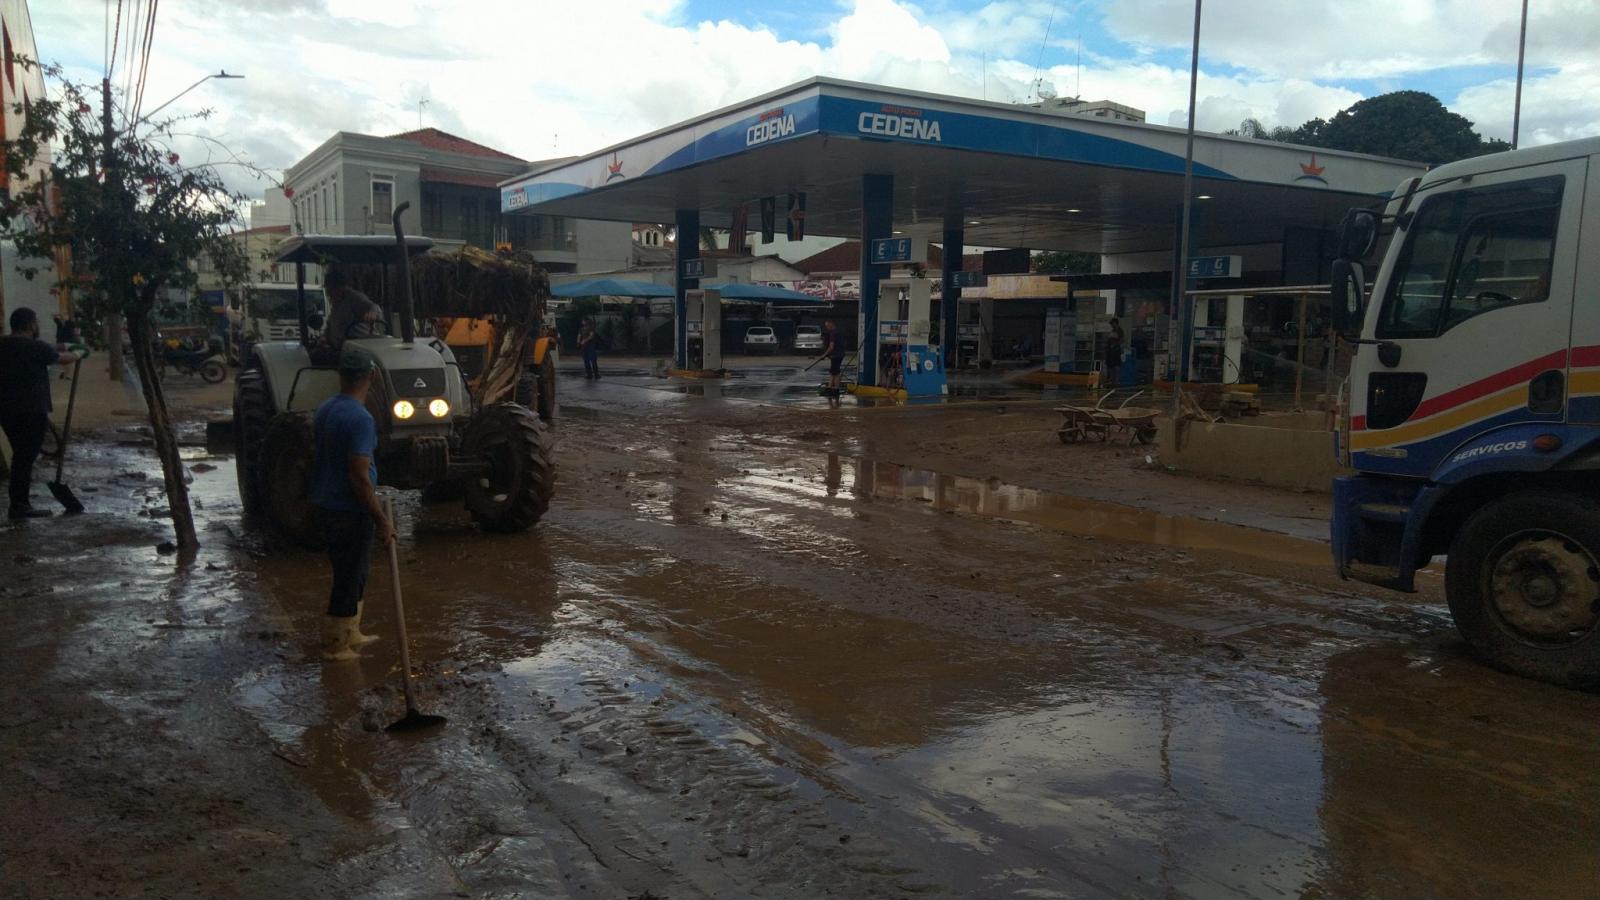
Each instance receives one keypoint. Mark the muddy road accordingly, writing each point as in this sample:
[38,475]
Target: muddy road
[769,649]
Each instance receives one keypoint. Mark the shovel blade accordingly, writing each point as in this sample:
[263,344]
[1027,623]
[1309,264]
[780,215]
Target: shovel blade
[415,721]
[65,497]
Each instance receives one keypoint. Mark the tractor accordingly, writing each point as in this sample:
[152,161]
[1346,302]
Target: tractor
[435,433]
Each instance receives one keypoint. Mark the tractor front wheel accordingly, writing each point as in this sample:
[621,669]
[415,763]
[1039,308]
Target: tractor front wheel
[516,491]
[286,461]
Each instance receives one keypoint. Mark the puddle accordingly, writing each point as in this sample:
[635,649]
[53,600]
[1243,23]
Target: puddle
[1060,512]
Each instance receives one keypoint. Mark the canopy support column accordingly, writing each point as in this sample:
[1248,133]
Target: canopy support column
[877,221]
[688,226]
[950,293]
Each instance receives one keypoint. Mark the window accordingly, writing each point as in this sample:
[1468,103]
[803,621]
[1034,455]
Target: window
[469,222]
[432,213]
[1472,251]
[333,209]
[382,199]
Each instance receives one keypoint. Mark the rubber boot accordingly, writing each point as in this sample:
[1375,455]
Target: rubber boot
[357,638]
[337,645]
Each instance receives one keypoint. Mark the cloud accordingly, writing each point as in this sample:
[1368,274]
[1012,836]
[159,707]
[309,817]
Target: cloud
[551,79]
[1548,102]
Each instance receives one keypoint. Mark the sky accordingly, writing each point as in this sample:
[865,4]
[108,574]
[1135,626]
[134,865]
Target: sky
[541,78]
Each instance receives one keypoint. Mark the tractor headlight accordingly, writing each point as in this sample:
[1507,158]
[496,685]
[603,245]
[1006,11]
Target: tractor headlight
[438,408]
[404,409]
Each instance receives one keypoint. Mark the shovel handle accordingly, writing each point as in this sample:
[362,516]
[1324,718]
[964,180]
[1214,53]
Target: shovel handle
[399,610]
[66,427]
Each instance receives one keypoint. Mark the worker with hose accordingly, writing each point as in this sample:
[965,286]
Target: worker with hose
[25,403]
[833,352]
[344,488]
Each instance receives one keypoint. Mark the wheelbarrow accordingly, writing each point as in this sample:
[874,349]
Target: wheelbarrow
[1099,422]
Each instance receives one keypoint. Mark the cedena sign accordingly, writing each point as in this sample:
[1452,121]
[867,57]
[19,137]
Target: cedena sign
[899,122]
[774,124]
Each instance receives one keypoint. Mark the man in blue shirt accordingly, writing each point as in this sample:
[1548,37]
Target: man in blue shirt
[344,479]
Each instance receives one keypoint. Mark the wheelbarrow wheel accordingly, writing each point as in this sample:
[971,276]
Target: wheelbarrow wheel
[1068,436]
[1146,435]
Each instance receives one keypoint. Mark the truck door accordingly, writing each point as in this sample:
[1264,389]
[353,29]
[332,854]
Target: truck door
[1479,305]
[1583,405]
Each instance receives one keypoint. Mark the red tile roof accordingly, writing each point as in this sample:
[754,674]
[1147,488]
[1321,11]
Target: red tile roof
[846,257]
[434,139]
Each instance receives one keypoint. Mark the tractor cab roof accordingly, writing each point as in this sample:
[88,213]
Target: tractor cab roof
[350,249]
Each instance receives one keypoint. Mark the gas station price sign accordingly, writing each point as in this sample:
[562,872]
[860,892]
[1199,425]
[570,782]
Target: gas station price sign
[891,250]
[1216,266]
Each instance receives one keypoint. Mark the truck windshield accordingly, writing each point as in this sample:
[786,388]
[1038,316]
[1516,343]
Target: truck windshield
[280,304]
[1472,251]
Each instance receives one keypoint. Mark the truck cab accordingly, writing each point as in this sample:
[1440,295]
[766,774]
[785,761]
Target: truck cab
[1472,413]
[268,311]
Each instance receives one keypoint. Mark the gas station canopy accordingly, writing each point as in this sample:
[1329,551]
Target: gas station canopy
[1008,175]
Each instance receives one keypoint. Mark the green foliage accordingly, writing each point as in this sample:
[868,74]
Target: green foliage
[135,216]
[1409,125]
[1066,262]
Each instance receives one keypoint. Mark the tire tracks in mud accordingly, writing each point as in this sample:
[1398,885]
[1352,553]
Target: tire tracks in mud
[632,788]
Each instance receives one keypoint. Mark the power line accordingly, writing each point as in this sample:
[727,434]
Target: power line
[144,68]
[1038,64]
[134,16]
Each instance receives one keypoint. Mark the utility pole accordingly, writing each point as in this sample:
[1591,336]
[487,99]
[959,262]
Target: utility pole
[1522,47]
[108,169]
[1182,305]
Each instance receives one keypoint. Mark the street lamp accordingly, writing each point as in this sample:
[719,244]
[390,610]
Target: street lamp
[220,73]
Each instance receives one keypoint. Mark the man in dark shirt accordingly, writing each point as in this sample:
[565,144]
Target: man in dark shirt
[833,351]
[25,403]
[344,479]
[347,308]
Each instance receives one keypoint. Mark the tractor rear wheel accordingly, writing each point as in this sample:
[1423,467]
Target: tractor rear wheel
[286,460]
[252,410]
[522,470]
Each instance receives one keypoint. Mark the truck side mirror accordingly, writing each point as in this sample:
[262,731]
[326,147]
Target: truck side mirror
[314,322]
[1358,234]
[1346,297]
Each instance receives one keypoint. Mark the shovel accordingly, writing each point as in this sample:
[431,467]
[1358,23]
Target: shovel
[58,488]
[413,720]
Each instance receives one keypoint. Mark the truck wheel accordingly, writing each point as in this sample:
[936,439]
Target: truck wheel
[213,372]
[522,474]
[252,410]
[286,461]
[1523,580]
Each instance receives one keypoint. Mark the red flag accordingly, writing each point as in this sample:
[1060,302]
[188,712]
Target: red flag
[796,225]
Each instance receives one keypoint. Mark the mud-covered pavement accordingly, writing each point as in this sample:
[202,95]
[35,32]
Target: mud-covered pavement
[769,649]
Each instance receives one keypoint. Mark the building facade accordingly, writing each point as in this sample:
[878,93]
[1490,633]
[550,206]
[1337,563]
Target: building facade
[352,184]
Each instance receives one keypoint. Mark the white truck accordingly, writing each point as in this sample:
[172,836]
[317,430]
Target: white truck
[268,311]
[1472,412]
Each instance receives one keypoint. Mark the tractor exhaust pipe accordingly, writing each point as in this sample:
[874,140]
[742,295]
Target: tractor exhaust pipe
[408,317]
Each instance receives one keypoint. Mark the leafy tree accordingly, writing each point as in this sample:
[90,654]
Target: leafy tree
[136,218]
[1404,124]
[1066,262]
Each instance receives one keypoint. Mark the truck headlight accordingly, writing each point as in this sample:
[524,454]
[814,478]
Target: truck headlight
[404,409]
[438,408]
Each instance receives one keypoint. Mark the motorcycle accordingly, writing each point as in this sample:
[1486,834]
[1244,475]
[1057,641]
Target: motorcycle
[187,359]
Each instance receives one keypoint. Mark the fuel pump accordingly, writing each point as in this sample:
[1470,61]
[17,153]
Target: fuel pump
[906,357]
[694,330]
[711,329]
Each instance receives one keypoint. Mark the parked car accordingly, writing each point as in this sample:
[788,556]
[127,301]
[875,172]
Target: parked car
[808,337]
[760,339]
